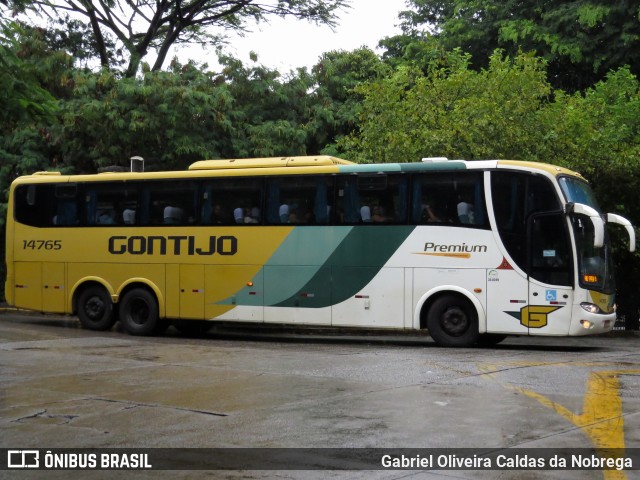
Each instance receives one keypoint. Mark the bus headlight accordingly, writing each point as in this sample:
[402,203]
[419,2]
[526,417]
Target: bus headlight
[590,307]
[586,324]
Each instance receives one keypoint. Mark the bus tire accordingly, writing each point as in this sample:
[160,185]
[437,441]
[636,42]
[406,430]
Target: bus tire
[139,312]
[95,309]
[452,321]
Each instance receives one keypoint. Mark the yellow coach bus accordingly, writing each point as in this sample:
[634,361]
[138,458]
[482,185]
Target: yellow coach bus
[471,251]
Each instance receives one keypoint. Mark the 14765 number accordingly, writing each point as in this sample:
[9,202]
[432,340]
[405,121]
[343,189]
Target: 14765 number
[42,244]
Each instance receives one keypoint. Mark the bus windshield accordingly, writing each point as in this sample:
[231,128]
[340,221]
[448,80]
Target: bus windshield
[594,264]
[578,191]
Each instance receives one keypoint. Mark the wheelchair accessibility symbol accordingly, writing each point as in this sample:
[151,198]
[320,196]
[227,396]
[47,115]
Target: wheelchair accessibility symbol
[551,295]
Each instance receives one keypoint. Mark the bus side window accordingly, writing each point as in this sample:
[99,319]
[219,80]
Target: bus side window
[110,204]
[372,198]
[348,200]
[299,200]
[516,197]
[34,205]
[66,205]
[170,203]
[449,199]
[231,201]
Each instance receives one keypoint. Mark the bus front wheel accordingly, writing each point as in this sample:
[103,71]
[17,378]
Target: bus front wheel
[139,312]
[452,322]
[95,309]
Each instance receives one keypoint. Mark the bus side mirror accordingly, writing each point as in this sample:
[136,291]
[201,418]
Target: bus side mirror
[594,216]
[613,218]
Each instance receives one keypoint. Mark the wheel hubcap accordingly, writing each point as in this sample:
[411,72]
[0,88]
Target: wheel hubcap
[454,321]
[94,308]
[139,311]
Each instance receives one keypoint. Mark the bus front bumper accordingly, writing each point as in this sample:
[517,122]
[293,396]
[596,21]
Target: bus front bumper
[585,323]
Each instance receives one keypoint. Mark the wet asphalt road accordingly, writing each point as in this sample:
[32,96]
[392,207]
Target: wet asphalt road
[64,387]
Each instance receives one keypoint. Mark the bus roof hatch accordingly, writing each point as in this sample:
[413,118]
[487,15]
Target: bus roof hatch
[269,162]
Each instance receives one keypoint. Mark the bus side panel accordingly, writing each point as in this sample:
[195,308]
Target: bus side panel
[53,287]
[298,294]
[28,285]
[171,293]
[507,296]
[192,292]
[379,304]
[234,292]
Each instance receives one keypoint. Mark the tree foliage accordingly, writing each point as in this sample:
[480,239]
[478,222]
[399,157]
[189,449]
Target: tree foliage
[144,25]
[27,108]
[581,40]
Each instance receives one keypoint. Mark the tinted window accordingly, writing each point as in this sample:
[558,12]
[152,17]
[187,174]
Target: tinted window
[516,197]
[231,201]
[550,254]
[300,200]
[375,199]
[449,199]
[47,205]
[111,204]
[168,203]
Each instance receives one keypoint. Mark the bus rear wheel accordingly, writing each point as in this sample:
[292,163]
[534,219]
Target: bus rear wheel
[95,309]
[139,312]
[452,322]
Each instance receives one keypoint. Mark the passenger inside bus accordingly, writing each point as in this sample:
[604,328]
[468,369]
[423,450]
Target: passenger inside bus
[173,215]
[129,216]
[378,215]
[465,210]
[365,214]
[106,217]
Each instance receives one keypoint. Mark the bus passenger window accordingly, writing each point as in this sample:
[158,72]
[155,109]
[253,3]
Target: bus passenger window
[106,203]
[169,203]
[455,199]
[299,200]
[372,199]
[231,201]
[34,205]
[66,205]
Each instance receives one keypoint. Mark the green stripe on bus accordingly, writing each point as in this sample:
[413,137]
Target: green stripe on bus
[299,259]
[294,263]
[351,266]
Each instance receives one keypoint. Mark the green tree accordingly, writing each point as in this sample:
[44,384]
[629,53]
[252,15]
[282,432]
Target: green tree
[144,25]
[269,114]
[581,40]
[169,118]
[452,110]
[337,104]
[26,111]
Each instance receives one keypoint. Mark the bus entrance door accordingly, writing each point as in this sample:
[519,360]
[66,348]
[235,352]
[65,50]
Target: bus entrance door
[550,275]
